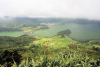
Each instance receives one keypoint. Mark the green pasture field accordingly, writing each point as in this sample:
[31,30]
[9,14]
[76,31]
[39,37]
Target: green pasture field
[55,41]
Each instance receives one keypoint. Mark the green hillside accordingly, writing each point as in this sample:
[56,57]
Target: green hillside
[54,51]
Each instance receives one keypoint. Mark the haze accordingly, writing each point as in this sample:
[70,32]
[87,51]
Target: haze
[89,9]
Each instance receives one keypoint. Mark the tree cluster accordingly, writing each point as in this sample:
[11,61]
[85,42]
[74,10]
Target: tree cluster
[44,27]
[7,41]
[9,57]
[2,29]
[64,33]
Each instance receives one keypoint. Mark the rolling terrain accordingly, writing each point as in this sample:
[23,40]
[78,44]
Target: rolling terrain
[40,51]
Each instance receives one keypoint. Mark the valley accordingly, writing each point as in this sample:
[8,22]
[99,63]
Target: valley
[65,44]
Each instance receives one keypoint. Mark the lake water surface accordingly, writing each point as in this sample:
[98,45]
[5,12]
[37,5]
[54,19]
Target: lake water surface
[80,32]
[12,34]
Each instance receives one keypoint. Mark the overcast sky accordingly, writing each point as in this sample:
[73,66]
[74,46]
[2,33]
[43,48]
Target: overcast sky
[89,9]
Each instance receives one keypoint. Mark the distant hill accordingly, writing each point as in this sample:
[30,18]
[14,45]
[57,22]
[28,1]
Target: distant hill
[22,18]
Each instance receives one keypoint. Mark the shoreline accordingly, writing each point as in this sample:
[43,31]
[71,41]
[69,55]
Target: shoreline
[84,41]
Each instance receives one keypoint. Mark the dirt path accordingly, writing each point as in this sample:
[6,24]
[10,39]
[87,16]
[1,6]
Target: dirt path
[49,38]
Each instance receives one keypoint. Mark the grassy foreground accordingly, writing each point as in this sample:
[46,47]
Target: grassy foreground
[65,58]
[58,52]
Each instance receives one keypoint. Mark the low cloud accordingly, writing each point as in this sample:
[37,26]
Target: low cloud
[51,8]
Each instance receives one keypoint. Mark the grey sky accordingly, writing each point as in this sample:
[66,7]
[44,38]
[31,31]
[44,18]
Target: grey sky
[51,8]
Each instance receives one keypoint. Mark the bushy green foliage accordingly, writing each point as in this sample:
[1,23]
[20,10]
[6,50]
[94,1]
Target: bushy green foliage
[18,43]
[96,48]
[64,33]
[44,27]
[65,58]
[15,41]
[19,23]
[2,29]
[71,55]
[9,57]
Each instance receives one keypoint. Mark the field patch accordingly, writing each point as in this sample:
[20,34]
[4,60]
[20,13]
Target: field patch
[54,42]
[51,44]
[49,38]
[97,46]
[59,43]
[56,46]
[36,42]
[26,46]
[88,46]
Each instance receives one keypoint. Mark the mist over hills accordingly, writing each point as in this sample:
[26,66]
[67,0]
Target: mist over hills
[50,19]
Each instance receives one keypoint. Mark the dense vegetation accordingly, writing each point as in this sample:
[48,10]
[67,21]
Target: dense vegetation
[10,57]
[11,42]
[55,51]
[64,33]
[44,27]
[18,24]
[59,57]
[2,29]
